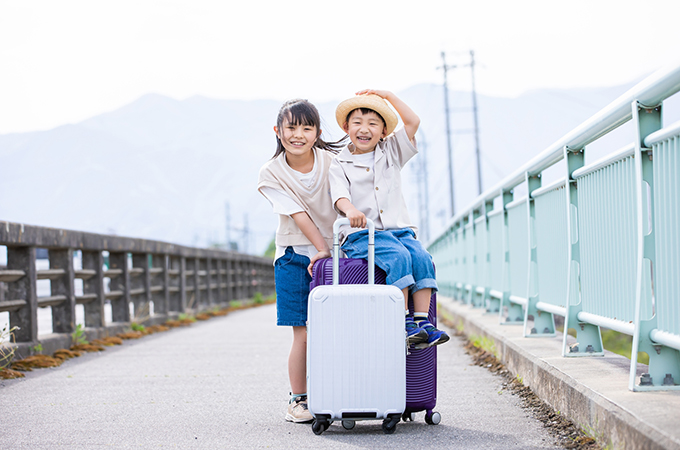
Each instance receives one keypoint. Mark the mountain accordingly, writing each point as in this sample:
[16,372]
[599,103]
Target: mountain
[164,169]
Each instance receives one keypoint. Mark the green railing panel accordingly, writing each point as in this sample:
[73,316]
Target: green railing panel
[666,164]
[518,247]
[470,269]
[607,227]
[552,246]
[481,263]
[496,252]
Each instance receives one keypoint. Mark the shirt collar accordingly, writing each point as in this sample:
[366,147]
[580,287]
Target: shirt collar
[346,156]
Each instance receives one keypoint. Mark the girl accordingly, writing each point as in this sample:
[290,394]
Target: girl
[295,181]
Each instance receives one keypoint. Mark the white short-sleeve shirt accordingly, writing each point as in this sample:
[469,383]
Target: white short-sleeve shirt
[374,189]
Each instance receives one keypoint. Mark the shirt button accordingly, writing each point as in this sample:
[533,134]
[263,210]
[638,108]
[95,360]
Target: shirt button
[381,211]
[367,169]
[376,188]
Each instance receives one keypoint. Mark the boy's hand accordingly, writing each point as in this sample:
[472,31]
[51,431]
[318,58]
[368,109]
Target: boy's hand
[357,219]
[320,255]
[381,94]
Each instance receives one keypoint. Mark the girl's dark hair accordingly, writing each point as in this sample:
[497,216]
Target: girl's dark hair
[302,112]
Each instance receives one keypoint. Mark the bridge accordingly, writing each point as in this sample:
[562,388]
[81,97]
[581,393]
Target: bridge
[535,265]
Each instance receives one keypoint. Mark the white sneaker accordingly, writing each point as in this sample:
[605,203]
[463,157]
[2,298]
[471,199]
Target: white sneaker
[298,412]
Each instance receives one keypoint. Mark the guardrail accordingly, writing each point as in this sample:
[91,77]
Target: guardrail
[600,247]
[160,280]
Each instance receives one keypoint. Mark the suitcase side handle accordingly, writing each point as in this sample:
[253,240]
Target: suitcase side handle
[336,249]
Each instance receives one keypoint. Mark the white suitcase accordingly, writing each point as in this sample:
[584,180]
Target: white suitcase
[356,350]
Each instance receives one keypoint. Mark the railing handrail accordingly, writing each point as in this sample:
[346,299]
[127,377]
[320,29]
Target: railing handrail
[650,92]
[18,234]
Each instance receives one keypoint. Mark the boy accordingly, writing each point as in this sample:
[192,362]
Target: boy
[365,180]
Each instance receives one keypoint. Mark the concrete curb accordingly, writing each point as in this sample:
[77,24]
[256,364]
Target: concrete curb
[591,391]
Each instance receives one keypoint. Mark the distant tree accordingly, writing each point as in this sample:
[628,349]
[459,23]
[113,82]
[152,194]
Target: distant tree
[271,249]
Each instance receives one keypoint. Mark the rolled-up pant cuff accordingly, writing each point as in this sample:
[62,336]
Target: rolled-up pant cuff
[425,283]
[404,282]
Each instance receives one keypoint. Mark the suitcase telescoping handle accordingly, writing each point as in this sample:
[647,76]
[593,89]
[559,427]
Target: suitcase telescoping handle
[336,249]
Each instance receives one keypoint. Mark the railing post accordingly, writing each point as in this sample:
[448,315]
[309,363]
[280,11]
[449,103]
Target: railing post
[182,285]
[491,304]
[161,298]
[93,289]
[475,264]
[664,362]
[515,313]
[25,317]
[219,291]
[120,306]
[210,297]
[142,287]
[230,278]
[544,322]
[64,314]
[587,336]
[197,284]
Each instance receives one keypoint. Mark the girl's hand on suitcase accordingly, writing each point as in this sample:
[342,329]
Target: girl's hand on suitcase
[357,219]
[321,255]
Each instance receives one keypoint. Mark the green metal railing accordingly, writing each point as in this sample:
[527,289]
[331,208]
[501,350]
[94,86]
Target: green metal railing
[600,247]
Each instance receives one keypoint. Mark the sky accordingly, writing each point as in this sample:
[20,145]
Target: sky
[65,61]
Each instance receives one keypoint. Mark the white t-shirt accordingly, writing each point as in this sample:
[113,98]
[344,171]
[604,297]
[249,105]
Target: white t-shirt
[284,204]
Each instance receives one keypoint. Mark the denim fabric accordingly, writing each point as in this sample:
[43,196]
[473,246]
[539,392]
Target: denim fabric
[399,254]
[292,289]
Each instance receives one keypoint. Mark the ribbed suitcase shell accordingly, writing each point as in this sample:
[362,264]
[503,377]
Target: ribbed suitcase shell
[421,365]
[356,352]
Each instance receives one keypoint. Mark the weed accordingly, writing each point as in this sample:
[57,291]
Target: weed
[520,380]
[6,350]
[78,336]
[258,299]
[485,344]
[137,327]
[37,348]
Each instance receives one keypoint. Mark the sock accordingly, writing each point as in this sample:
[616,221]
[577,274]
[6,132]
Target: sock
[420,317]
[294,397]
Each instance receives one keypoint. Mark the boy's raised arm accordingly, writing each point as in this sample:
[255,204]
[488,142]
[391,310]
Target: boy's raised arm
[408,116]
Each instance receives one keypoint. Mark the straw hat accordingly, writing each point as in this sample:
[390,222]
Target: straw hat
[370,101]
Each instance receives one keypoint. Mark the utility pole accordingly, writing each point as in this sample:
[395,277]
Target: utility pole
[246,233]
[228,219]
[423,192]
[474,110]
[448,129]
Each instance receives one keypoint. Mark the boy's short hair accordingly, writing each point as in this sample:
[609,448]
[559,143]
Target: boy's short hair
[372,102]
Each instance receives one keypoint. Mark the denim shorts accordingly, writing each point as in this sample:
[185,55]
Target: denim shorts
[397,252]
[292,289]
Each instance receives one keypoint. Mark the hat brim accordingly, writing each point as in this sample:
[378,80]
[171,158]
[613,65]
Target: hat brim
[370,101]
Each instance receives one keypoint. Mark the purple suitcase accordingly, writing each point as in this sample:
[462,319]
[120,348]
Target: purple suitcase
[421,365]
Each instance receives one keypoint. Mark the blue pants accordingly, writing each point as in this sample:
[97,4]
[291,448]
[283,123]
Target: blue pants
[399,254]
[292,289]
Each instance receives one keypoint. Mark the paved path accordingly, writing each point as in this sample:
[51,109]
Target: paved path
[199,387]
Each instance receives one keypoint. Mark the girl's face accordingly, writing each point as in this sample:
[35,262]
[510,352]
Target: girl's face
[298,140]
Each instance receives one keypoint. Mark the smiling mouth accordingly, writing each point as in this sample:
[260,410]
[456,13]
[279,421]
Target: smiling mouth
[363,139]
[298,144]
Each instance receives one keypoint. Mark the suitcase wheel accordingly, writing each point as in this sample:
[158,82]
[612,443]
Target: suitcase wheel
[408,416]
[389,425]
[348,424]
[433,418]
[319,426]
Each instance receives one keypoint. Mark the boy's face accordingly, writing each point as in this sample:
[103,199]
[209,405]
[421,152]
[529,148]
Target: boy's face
[364,130]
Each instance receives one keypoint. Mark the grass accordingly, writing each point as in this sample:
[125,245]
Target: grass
[485,344]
